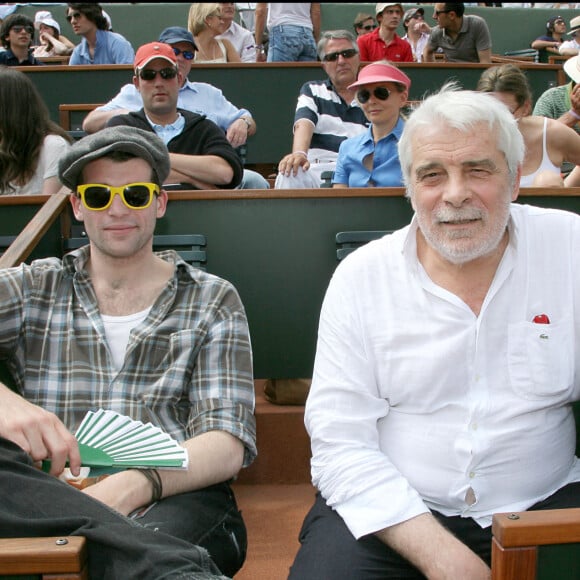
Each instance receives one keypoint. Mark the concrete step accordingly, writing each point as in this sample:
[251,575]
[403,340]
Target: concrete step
[283,444]
[273,514]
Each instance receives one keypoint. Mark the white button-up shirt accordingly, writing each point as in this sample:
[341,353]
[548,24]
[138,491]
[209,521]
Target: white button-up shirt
[418,404]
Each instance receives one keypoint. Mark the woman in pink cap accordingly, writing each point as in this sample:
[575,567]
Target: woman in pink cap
[371,159]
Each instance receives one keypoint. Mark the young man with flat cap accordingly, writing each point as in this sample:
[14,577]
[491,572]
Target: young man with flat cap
[114,325]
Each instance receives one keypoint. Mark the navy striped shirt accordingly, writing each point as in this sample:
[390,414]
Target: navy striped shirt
[334,120]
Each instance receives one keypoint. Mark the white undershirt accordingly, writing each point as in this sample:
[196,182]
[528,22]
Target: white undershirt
[117,331]
[418,404]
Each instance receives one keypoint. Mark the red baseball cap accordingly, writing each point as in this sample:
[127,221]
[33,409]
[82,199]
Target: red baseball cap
[153,50]
[381,72]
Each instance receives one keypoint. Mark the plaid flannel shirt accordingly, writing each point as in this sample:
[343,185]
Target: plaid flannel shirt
[187,367]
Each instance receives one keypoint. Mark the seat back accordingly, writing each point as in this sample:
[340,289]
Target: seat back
[191,247]
[349,241]
[5,241]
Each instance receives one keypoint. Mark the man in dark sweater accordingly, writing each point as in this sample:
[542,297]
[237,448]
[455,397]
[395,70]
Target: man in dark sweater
[201,156]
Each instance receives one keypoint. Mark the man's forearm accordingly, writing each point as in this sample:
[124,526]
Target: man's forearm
[207,168]
[433,550]
[96,120]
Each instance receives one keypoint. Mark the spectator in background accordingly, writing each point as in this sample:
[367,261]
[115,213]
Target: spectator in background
[201,157]
[205,22]
[417,31]
[550,42]
[241,38]
[16,32]
[571,47]
[326,114]
[384,43]
[461,37]
[363,23]
[293,29]
[548,143]
[30,143]
[200,98]
[98,45]
[52,42]
[563,102]
[371,159]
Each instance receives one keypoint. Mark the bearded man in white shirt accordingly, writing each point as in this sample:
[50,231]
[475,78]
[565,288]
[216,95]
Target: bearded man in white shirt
[447,363]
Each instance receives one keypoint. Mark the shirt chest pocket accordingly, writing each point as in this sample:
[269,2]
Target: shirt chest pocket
[541,359]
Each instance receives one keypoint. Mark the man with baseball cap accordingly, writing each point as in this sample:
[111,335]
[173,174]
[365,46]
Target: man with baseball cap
[417,31]
[384,42]
[202,98]
[550,42]
[114,325]
[572,47]
[201,156]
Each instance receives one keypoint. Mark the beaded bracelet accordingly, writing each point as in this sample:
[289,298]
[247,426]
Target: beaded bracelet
[574,114]
[153,476]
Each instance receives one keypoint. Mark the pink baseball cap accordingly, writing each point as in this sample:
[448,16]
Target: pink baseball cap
[381,72]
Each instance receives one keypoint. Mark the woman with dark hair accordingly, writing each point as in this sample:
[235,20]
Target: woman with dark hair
[549,143]
[30,143]
[99,44]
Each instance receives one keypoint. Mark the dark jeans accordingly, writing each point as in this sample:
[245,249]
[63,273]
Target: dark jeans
[329,551]
[34,504]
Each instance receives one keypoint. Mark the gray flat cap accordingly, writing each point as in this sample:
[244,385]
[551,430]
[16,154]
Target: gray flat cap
[141,143]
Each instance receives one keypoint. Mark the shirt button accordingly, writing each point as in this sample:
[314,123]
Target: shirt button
[471,474]
[474,426]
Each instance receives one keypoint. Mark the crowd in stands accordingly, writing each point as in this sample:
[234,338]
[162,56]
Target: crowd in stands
[332,125]
[140,314]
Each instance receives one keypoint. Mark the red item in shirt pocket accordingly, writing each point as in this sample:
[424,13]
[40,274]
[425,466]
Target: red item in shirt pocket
[541,319]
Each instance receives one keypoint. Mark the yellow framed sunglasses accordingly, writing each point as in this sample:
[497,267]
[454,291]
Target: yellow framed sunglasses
[97,196]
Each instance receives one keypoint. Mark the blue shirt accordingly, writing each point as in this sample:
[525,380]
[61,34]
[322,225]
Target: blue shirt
[386,171]
[200,98]
[111,48]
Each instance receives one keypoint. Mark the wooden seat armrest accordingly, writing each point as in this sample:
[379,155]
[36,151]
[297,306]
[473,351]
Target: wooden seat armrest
[49,555]
[537,528]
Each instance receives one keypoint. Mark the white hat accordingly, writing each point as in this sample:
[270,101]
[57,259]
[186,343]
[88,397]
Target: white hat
[574,25]
[381,6]
[45,17]
[572,68]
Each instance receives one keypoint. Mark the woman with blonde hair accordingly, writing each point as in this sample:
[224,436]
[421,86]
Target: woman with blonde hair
[205,23]
[549,143]
[30,143]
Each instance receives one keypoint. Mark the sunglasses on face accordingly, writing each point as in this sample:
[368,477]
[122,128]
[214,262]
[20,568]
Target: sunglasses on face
[98,197]
[333,56]
[366,26]
[380,93]
[437,12]
[23,28]
[148,74]
[187,54]
[75,15]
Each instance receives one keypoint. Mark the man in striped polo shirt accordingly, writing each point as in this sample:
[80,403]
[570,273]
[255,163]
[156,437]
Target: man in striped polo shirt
[326,114]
